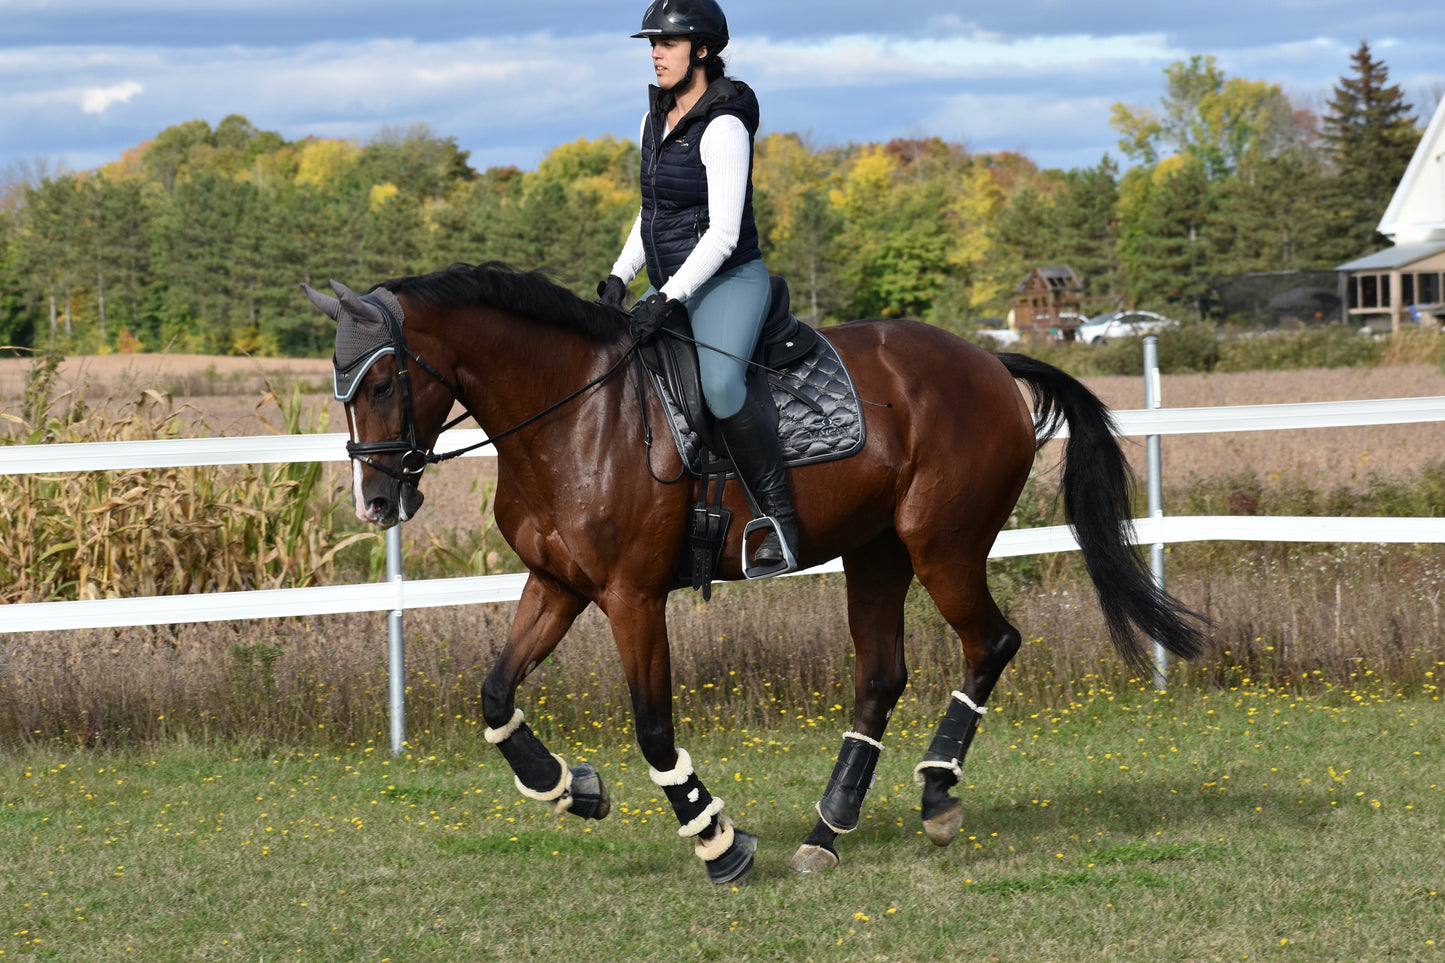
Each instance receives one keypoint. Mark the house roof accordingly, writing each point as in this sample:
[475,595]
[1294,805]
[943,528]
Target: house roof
[1394,257]
[1417,209]
[1058,277]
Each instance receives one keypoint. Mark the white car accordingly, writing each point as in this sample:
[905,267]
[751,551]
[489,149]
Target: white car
[1121,324]
[1002,337]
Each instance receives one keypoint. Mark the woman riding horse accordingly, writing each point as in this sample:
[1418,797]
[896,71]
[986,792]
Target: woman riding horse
[696,236]
[950,444]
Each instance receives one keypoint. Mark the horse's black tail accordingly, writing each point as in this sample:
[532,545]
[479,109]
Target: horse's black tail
[1097,491]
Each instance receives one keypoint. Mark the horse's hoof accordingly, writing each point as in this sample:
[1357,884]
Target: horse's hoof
[589,793]
[941,829]
[734,865]
[813,859]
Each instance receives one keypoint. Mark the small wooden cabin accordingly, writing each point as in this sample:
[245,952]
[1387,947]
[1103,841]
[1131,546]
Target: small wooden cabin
[1048,298]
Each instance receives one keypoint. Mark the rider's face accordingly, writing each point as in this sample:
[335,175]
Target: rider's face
[670,57]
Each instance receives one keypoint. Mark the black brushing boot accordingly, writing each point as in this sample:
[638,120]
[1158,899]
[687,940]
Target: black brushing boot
[751,437]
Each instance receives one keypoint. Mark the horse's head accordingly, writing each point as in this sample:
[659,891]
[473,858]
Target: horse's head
[394,417]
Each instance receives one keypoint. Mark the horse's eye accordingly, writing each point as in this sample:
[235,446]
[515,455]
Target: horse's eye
[381,390]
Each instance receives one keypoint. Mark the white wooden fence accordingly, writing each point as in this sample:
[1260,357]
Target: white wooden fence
[278,449]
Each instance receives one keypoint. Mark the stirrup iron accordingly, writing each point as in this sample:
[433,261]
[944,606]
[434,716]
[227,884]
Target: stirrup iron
[767,523]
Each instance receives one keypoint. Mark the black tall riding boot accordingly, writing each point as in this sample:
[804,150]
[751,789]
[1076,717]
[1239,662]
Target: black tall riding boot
[751,437]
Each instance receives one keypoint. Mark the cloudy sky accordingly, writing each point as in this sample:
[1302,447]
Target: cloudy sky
[81,80]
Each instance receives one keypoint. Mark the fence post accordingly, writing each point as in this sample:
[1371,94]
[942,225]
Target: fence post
[1152,400]
[396,670]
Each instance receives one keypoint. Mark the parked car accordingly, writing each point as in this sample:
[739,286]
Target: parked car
[1002,337]
[1121,324]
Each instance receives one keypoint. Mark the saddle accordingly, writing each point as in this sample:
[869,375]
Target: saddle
[819,417]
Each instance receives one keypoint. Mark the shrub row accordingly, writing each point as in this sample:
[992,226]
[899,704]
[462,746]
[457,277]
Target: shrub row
[1199,348]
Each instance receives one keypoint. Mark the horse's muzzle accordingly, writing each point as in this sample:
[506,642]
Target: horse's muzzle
[401,502]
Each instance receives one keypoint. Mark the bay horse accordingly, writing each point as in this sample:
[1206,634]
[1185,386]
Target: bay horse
[586,504]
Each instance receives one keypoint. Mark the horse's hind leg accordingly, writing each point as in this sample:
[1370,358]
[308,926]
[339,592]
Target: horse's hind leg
[989,644]
[878,578]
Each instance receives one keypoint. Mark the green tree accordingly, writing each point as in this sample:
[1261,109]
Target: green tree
[1085,216]
[798,225]
[200,238]
[806,254]
[1370,136]
[415,159]
[51,250]
[571,215]
[17,322]
[1023,235]
[169,155]
[1163,249]
[1269,217]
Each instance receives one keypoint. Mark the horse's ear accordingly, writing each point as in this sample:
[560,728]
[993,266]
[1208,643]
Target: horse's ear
[328,305]
[353,303]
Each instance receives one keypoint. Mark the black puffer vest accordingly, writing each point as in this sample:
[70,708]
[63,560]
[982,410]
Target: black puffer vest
[674,180]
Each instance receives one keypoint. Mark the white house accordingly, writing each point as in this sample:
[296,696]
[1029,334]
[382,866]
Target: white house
[1407,280]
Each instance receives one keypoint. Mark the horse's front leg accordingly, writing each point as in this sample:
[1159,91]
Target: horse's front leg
[639,627]
[547,609]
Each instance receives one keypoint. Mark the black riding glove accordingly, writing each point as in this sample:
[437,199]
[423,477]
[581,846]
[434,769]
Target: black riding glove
[612,292]
[650,315]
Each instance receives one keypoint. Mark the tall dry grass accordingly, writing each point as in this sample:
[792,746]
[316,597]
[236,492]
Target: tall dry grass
[757,654]
[156,531]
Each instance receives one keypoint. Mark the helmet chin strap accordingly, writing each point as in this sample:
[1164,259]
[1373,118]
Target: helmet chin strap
[693,63]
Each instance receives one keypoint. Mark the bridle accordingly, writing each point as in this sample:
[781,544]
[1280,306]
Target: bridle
[415,458]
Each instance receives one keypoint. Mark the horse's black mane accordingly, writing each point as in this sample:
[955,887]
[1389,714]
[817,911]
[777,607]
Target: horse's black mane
[528,294]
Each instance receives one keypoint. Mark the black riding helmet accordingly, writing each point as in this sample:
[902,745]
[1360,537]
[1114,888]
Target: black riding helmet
[700,19]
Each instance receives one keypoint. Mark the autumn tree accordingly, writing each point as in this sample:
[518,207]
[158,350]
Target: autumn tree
[798,225]
[1214,118]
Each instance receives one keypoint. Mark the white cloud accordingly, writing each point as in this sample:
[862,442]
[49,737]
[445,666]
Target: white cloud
[97,100]
[860,60]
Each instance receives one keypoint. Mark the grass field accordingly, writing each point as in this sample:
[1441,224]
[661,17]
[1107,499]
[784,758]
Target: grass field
[1249,823]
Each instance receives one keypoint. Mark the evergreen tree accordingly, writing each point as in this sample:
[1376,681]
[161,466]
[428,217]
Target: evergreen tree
[1086,219]
[1269,218]
[1022,236]
[1370,136]
[1163,247]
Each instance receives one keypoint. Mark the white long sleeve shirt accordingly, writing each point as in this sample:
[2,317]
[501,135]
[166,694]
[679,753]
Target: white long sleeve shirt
[726,151]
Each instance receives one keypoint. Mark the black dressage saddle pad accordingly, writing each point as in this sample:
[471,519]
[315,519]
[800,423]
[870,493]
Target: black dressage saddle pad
[819,414]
